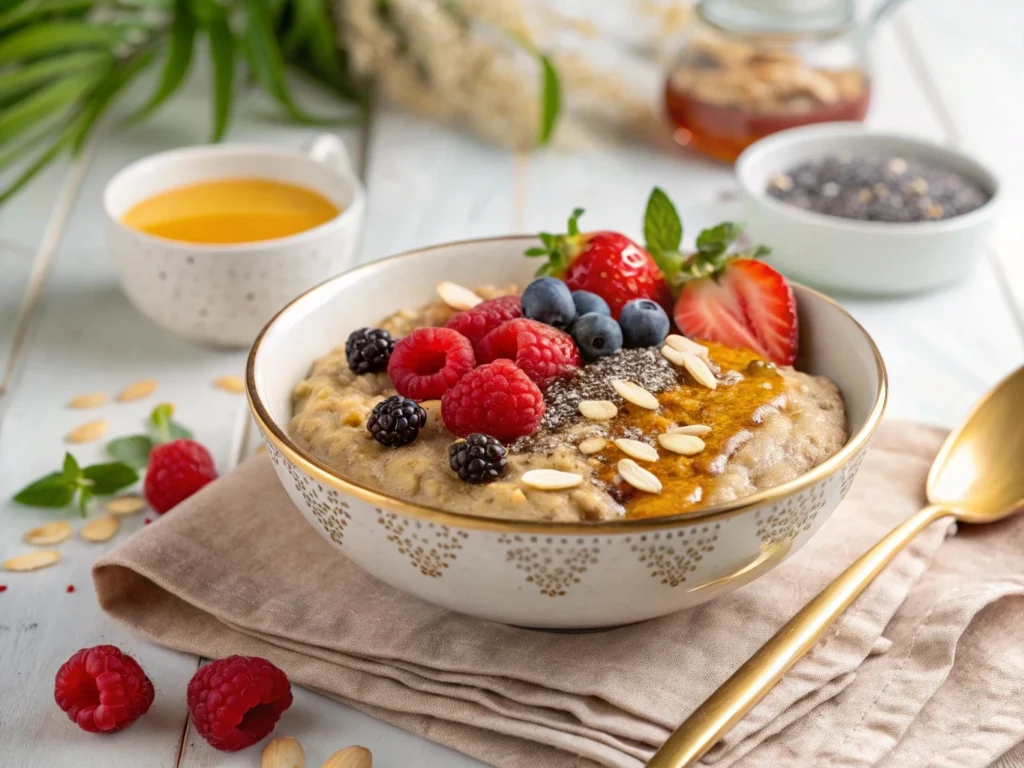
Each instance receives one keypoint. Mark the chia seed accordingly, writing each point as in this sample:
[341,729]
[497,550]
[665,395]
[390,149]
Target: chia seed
[877,188]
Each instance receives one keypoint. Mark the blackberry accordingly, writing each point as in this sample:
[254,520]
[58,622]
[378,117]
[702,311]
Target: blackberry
[368,350]
[396,421]
[478,459]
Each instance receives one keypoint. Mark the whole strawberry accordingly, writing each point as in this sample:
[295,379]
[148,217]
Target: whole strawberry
[102,690]
[606,263]
[175,471]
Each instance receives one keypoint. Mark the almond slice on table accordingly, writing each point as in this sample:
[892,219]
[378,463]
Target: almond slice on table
[638,477]
[457,297]
[592,445]
[88,400]
[86,433]
[632,392]
[100,529]
[137,390]
[49,534]
[598,410]
[691,429]
[126,505]
[677,442]
[683,344]
[350,757]
[32,561]
[232,384]
[636,449]
[551,479]
[283,752]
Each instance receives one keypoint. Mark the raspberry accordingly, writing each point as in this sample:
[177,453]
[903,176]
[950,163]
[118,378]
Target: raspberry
[102,689]
[542,352]
[235,702]
[426,363]
[497,399]
[175,471]
[477,322]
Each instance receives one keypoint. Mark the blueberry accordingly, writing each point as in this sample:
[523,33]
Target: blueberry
[644,324]
[597,335]
[586,301]
[548,300]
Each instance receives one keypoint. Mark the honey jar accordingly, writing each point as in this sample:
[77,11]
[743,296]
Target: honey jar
[748,68]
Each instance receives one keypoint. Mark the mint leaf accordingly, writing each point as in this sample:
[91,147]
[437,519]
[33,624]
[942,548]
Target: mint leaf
[716,240]
[133,451]
[178,432]
[104,479]
[164,429]
[663,229]
[72,472]
[84,497]
[551,100]
[53,491]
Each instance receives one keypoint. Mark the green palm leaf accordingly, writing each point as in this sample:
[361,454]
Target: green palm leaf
[222,55]
[55,98]
[106,93]
[179,57]
[32,10]
[38,164]
[56,37]
[16,82]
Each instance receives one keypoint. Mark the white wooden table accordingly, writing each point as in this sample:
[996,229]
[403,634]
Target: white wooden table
[65,328]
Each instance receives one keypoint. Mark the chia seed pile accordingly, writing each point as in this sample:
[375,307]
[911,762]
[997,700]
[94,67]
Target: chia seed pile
[646,366]
[877,188]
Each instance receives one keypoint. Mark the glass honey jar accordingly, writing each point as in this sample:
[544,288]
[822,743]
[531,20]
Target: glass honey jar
[748,68]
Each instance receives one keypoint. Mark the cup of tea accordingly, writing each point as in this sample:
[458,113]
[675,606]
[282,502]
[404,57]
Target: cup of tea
[209,242]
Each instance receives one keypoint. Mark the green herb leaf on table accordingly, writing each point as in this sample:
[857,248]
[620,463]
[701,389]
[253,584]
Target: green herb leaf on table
[133,451]
[105,479]
[52,491]
[164,429]
[59,489]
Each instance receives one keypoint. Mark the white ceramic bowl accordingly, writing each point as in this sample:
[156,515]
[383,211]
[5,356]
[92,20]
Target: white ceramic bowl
[555,575]
[224,294]
[863,257]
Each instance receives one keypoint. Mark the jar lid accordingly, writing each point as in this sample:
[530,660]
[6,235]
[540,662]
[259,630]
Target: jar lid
[779,16]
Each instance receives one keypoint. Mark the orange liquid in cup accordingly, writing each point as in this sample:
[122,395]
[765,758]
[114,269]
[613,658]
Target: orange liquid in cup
[231,211]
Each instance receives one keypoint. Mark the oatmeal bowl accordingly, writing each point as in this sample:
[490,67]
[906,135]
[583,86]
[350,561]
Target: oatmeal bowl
[560,464]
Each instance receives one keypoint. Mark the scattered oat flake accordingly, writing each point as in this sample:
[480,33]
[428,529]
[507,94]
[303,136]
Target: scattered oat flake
[635,394]
[457,297]
[137,390]
[86,433]
[638,477]
[551,479]
[232,384]
[636,449]
[100,529]
[592,445]
[32,561]
[49,534]
[677,442]
[88,400]
[125,505]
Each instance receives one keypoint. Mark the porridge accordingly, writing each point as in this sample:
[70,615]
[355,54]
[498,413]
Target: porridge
[582,404]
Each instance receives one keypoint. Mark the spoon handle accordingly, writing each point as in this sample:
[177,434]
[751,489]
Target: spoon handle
[749,684]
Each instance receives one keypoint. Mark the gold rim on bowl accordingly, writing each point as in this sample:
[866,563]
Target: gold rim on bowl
[331,478]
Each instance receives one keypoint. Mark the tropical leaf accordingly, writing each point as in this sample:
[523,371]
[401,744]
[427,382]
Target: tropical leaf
[46,102]
[15,82]
[179,57]
[222,55]
[106,93]
[33,10]
[56,37]
[37,165]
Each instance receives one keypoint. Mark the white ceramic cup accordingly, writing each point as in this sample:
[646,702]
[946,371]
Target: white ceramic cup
[223,294]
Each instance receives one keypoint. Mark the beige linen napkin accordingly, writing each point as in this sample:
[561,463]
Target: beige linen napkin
[926,668]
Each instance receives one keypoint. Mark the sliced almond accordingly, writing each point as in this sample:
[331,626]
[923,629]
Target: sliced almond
[350,757]
[125,505]
[88,400]
[32,561]
[100,529]
[592,445]
[137,390]
[683,344]
[636,449]
[638,477]
[551,479]
[673,355]
[598,410]
[49,534]
[231,384]
[283,752]
[457,297]
[677,442]
[635,394]
[692,429]
[88,432]
[699,370]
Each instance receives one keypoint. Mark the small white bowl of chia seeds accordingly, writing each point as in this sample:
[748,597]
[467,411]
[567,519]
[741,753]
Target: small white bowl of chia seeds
[846,208]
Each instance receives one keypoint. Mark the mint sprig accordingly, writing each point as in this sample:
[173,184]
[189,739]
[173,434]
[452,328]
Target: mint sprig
[663,232]
[59,489]
[135,449]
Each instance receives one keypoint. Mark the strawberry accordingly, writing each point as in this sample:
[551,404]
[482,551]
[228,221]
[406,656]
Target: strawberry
[606,263]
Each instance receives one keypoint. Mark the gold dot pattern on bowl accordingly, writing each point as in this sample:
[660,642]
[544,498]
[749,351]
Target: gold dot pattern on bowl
[551,564]
[429,547]
[671,557]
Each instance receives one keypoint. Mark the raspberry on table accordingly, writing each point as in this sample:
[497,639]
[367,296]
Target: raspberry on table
[368,350]
[478,459]
[496,399]
[396,421]
[477,322]
[543,353]
[235,702]
[102,690]
[175,471]
[427,362]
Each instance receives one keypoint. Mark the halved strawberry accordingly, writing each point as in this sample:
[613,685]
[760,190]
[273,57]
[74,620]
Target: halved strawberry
[744,303]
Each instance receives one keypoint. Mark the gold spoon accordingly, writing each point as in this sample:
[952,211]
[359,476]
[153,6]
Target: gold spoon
[976,478]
